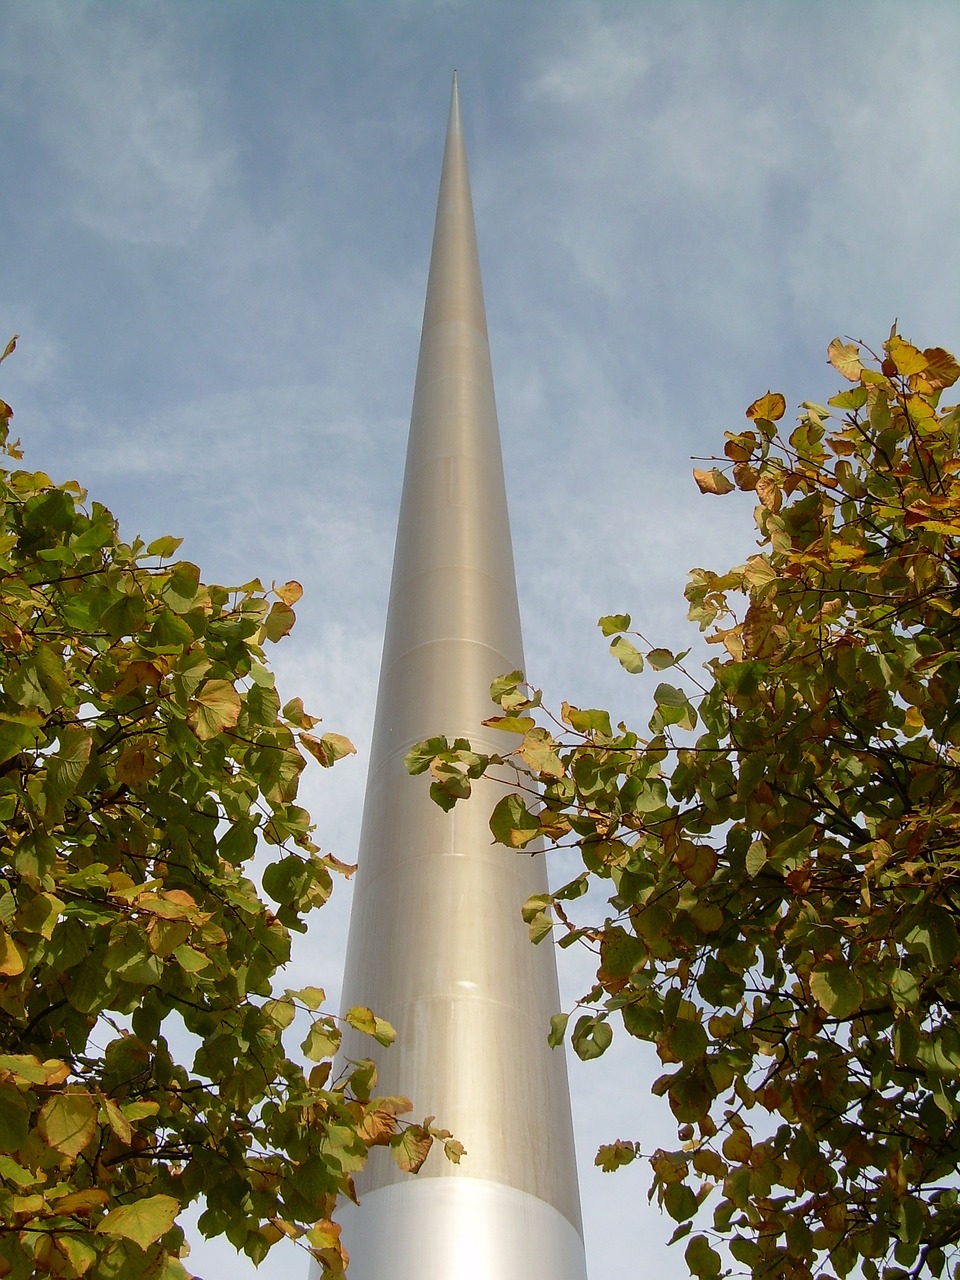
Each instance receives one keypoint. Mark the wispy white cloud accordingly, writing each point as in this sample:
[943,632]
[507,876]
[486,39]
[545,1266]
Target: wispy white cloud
[127,122]
[218,220]
[606,66]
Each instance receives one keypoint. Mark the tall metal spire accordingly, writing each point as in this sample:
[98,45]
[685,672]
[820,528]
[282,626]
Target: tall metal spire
[437,945]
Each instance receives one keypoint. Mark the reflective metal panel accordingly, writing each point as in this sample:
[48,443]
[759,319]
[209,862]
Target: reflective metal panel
[459,1229]
[437,944]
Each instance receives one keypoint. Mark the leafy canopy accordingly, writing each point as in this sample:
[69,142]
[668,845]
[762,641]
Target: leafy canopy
[782,848]
[143,754]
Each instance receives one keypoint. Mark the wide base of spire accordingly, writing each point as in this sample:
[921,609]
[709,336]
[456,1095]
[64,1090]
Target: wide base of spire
[459,1228]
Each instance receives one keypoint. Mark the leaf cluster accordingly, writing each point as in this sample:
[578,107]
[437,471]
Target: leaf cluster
[782,849]
[144,753]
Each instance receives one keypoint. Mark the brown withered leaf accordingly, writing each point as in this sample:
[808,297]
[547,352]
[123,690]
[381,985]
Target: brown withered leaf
[712,481]
[942,368]
[411,1147]
[137,765]
[769,492]
[378,1126]
[757,639]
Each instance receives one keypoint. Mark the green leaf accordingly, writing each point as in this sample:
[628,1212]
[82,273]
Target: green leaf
[189,675]
[143,1221]
[420,756]
[661,659]
[539,750]
[239,842]
[286,880]
[363,1019]
[590,720]
[505,693]
[837,989]
[855,398]
[181,589]
[614,622]
[614,1155]
[702,1259]
[592,1036]
[674,707]
[679,1201]
[558,1029]
[66,767]
[312,997]
[512,824]
[14,1118]
[190,959]
[688,1040]
[756,857]
[510,724]
[322,1041]
[164,548]
[627,655]
[279,621]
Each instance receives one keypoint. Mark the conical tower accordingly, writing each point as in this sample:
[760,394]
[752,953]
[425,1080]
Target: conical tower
[437,944]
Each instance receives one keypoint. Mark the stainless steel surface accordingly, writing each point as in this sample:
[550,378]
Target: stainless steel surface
[436,943]
[462,1228]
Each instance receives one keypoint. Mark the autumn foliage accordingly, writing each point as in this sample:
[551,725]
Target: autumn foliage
[782,845]
[144,755]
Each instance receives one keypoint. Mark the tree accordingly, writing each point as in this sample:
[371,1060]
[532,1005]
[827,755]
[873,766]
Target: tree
[782,850]
[143,754]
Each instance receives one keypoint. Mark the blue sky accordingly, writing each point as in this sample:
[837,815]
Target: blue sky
[215,222]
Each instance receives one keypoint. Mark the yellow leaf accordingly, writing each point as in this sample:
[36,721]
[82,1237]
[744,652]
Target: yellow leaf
[137,675]
[906,358]
[117,1120]
[328,749]
[290,592]
[26,1069]
[80,1201]
[737,1146]
[913,721]
[12,957]
[845,358]
[325,1235]
[772,407]
[215,707]
[697,862]
[143,1221]
[68,1121]
[843,551]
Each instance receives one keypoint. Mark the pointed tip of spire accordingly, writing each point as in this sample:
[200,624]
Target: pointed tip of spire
[454,122]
